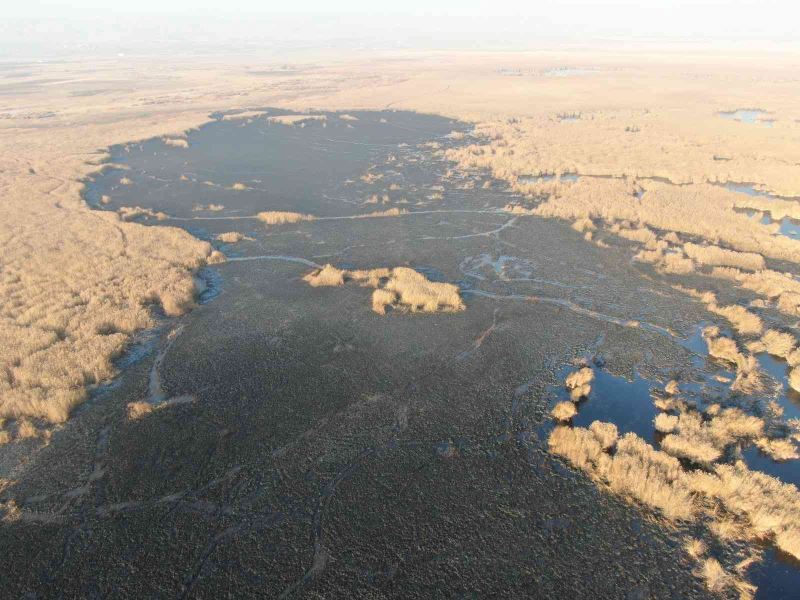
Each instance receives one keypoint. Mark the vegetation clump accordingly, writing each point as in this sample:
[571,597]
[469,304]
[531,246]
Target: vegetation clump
[279,217]
[230,237]
[579,383]
[400,288]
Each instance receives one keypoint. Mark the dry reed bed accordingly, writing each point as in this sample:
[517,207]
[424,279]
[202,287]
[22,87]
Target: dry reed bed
[701,210]
[662,146]
[72,301]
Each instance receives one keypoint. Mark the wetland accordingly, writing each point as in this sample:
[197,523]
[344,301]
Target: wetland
[292,441]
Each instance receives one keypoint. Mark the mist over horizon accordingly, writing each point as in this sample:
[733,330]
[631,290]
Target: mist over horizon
[52,30]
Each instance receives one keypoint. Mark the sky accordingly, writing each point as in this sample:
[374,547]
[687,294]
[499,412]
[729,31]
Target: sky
[33,25]
[740,12]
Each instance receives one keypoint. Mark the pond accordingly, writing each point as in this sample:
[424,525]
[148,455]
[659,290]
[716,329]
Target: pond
[747,115]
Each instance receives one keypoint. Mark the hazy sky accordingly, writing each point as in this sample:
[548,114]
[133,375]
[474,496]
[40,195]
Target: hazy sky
[605,13]
[117,25]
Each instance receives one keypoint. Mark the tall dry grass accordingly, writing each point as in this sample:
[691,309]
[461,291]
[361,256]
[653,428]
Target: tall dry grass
[635,471]
[781,287]
[605,433]
[771,508]
[720,581]
[720,257]
[71,302]
[780,449]
[743,321]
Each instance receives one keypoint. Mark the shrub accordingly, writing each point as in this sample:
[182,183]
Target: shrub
[564,411]
[579,378]
[665,423]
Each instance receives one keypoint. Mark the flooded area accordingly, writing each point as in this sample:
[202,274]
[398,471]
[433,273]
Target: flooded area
[316,446]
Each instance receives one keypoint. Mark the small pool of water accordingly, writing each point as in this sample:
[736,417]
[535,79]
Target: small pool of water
[209,286]
[787,471]
[745,188]
[625,403]
[777,368]
[695,344]
[788,227]
[568,72]
[775,576]
[747,115]
[531,179]
[142,345]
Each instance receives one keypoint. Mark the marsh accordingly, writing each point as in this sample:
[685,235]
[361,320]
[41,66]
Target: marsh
[300,443]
